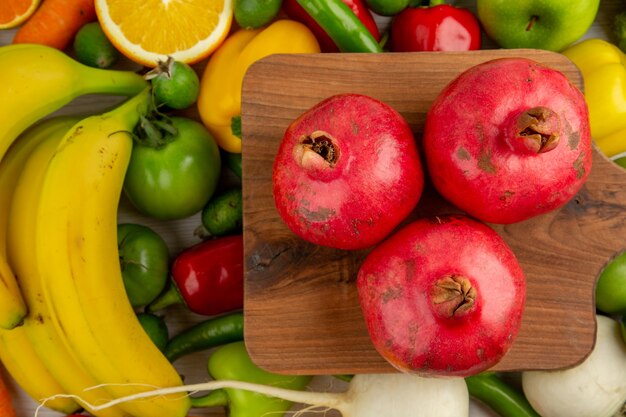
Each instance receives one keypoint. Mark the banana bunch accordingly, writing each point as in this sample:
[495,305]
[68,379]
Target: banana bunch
[78,341]
[36,81]
[17,353]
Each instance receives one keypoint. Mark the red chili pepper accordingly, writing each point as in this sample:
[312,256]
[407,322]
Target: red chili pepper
[297,12]
[207,278]
[440,27]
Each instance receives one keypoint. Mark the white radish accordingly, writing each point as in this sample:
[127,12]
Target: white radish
[368,395]
[594,388]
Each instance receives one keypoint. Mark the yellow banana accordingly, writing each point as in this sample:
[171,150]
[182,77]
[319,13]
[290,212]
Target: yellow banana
[12,306]
[38,326]
[13,163]
[78,262]
[16,351]
[36,81]
[22,363]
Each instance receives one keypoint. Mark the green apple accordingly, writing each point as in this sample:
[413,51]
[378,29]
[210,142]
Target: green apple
[540,24]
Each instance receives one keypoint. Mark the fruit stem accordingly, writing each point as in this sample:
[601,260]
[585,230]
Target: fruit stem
[171,296]
[453,295]
[537,130]
[531,22]
[132,109]
[155,129]
[216,398]
[162,67]
[106,81]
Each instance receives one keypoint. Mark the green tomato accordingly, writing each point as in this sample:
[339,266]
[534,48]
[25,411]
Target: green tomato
[177,179]
[156,329]
[144,260]
[175,84]
[611,287]
[232,362]
[387,7]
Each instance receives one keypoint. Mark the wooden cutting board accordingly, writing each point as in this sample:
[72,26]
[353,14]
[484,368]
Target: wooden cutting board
[301,306]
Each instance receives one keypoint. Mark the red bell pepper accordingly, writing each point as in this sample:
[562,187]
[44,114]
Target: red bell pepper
[207,278]
[297,12]
[438,27]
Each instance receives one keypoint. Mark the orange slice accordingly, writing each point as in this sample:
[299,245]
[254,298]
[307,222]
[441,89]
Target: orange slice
[147,31]
[15,12]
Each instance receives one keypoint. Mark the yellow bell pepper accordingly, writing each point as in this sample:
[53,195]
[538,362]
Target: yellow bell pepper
[603,67]
[219,101]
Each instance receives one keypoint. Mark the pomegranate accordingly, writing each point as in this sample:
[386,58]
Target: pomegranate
[508,140]
[347,172]
[443,296]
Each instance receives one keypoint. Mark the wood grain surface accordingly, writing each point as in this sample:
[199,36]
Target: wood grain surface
[301,305]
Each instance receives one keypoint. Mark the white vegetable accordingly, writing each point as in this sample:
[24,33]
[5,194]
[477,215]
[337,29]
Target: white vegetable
[403,395]
[371,395]
[594,388]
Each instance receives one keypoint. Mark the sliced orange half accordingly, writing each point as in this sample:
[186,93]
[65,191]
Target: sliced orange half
[15,12]
[147,31]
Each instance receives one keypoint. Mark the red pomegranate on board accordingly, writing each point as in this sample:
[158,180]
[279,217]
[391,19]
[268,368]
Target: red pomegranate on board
[443,296]
[347,172]
[508,140]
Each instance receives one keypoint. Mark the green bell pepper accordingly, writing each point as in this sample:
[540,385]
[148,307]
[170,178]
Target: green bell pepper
[232,362]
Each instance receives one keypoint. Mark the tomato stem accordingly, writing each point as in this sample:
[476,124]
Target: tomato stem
[155,129]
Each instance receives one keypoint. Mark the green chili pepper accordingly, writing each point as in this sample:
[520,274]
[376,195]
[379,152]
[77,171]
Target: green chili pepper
[499,396]
[205,335]
[231,362]
[341,25]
